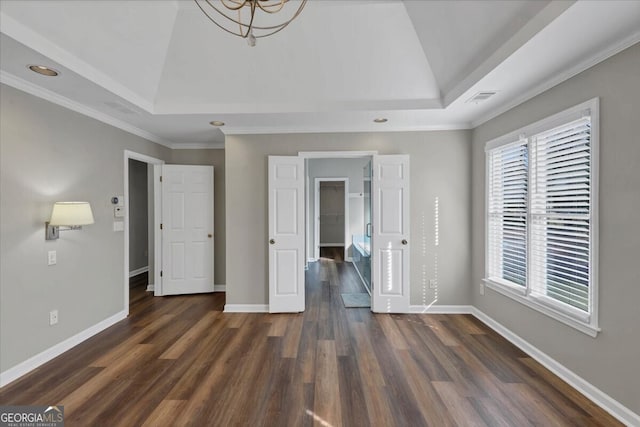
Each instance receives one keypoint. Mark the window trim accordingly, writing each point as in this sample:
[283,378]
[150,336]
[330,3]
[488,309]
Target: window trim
[576,318]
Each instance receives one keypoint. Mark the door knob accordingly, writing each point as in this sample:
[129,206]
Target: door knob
[404,241]
[272,242]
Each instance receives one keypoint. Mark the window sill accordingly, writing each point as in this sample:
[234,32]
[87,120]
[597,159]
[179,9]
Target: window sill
[519,295]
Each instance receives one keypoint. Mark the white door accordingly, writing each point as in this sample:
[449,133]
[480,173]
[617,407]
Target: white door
[187,229]
[286,234]
[390,237]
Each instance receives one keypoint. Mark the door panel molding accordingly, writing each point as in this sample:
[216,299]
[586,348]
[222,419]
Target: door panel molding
[187,220]
[391,234]
[286,234]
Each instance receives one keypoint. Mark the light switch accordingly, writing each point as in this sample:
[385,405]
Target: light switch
[52,258]
[118,225]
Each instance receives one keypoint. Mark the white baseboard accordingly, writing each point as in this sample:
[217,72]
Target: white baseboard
[32,363]
[606,402]
[219,288]
[312,260]
[137,271]
[151,287]
[441,309]
[246,308]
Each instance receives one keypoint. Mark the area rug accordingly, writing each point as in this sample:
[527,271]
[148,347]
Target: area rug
[356,300]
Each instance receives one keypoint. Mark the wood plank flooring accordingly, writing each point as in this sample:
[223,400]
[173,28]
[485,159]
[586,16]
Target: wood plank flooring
[181,361]
[335,253]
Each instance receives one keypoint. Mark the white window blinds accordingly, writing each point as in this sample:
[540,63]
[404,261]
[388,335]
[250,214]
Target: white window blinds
[542,216]
[561,213]
[507,222]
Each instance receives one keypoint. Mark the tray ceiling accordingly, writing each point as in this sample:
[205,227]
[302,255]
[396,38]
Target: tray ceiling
[161,70]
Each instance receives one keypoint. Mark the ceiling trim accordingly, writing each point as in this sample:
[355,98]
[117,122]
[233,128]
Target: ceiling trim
[547,15]
[289,130]
[37,42]
[168,107]
[40,92]
[198,146]
[556,79]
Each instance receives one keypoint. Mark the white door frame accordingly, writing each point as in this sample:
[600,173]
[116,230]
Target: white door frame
[301,208]
[157,260]
[316,214]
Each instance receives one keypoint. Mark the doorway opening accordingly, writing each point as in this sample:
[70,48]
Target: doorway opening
[332,208]
[140,198]
[339,223]
[289,246]
[140,221]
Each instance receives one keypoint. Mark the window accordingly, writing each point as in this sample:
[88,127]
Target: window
[541,216]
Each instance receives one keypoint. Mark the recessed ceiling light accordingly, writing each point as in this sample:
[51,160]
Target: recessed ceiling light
[380,120]
[45,71]
[216,123]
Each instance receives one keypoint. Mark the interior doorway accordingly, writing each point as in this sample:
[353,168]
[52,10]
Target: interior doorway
[339,203]
[288,244]
[331,213]
[142,184]
[140,198]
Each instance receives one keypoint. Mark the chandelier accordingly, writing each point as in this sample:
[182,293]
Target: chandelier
[238,17]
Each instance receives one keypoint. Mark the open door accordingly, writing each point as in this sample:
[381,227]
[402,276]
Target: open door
[286,234]
[187,229]
[390,236]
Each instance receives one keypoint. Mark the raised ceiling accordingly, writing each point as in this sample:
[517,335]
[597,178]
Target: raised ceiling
[161,70]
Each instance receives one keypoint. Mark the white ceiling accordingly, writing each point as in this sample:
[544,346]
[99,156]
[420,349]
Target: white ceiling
[161,70]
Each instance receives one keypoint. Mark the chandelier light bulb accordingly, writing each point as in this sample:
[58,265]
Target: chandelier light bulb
[251,39]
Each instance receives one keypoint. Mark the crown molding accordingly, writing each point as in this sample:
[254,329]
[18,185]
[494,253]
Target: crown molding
[164,106]
[555,80]
[214,145]
[380,129]
[547,15]
[40,92]
[37,42]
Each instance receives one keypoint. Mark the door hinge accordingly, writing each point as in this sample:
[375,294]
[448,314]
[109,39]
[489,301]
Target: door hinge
[160,273]
[160,178]
[160,226]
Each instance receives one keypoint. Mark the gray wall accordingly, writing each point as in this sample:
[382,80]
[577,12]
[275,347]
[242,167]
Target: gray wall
[138,216]
[337,168]
[610,361]
[48,154]
[331,212]
[215,158]
[440,167]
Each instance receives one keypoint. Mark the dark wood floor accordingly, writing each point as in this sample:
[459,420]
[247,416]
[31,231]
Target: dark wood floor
[335,253]
[181,361]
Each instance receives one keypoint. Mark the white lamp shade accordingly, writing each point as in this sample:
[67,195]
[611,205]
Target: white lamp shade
[71,213]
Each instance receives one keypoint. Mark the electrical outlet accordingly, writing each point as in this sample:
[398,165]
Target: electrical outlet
[53,317]
[481,288]
[52,258]
[433,284]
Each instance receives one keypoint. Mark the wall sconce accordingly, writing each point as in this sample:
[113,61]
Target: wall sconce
[71,215]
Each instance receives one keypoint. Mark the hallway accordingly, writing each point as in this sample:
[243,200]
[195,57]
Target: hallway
[181,361]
